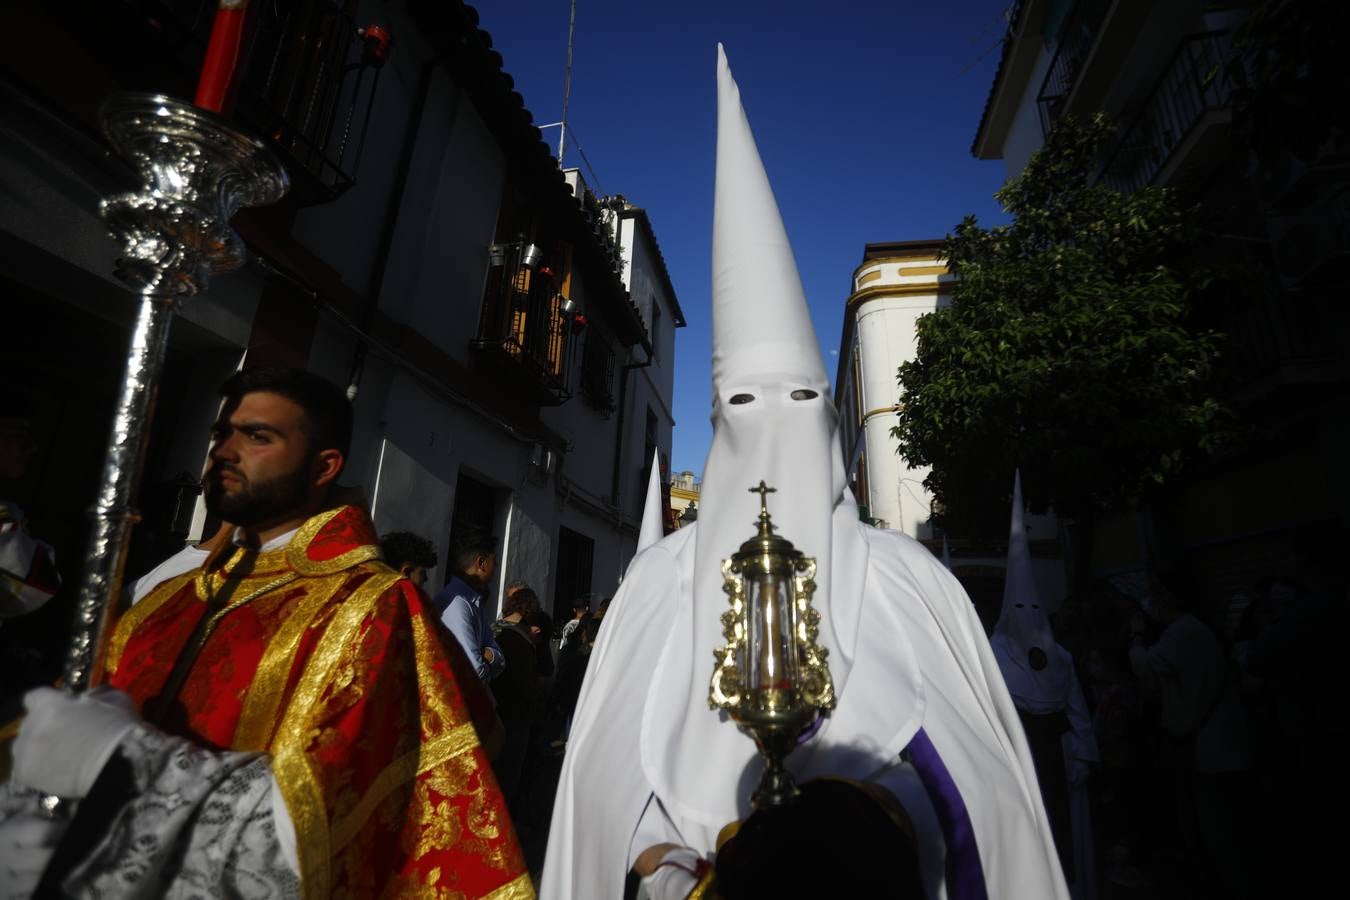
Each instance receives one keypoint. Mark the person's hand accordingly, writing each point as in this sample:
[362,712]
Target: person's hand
[66,739]
[27,842]
[488,655]
[650,858]
[670,871]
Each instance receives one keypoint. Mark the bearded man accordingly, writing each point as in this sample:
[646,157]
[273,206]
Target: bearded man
[285,718]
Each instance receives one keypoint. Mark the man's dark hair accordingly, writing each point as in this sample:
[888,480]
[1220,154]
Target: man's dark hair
[405,548]
[328,412]
[523,601]
[469,547]
[581,603]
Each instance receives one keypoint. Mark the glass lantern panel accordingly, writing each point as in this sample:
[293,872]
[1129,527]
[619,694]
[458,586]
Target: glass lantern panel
[771,654]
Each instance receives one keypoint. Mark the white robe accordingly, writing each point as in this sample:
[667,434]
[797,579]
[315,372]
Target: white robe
[1056,689]
[920,650]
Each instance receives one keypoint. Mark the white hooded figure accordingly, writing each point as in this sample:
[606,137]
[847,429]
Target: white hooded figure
[653,516]
[921,708]
[1041,679]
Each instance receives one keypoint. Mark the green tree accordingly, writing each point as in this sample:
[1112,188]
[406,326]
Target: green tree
[1066,349]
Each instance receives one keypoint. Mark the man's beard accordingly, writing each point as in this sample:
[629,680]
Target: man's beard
[256,502]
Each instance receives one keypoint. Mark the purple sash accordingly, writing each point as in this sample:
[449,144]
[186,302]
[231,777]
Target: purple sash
[965,874]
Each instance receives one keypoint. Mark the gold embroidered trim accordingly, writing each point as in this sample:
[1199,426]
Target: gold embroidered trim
[408,766]
[437,713]
[519,889]
[297,549]
[262,704]
[299,786]
[212,577]
[303,794]
[132,618]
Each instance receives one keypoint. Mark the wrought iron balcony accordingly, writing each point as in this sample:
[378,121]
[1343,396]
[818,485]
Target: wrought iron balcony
[1195,83]
[1075,43]
[310,83]
[306,78]
[1285,339]
[524,329]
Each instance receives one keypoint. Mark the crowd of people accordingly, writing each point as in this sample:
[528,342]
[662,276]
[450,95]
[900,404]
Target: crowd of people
[1208,707]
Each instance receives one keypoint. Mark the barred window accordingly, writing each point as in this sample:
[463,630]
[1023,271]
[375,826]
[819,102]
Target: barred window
[597,371]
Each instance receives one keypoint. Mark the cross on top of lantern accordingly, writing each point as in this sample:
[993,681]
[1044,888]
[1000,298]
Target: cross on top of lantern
[771,677]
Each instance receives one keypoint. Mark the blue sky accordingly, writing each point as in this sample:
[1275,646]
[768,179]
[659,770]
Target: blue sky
[864,113]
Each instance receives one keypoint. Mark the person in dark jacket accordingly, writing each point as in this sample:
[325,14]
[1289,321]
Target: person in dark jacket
[517,688]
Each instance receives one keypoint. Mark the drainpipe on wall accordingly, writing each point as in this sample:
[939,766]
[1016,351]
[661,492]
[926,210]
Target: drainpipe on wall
[618,443]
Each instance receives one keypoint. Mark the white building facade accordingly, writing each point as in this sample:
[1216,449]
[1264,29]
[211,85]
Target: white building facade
[895,285]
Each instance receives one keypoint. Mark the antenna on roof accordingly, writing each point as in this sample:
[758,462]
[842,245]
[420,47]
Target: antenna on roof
[567,85]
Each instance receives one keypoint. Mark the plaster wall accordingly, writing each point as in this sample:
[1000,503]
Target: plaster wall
[1025,135]
[1152,50]
[529,549]
[646,290]
[398,477]
[591,436]
[440,253]
[340,233]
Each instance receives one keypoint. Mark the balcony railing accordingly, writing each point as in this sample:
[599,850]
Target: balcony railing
[1277,338]
[306,78]
[310,83]
[523,333]
[1195,82]
[1075,43]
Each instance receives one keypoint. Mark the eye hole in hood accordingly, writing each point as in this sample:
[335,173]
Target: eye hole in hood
[738,399]
[803,394]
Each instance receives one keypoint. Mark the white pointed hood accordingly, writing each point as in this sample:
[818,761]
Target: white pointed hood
[1023,641]
[653,516]
[773,420]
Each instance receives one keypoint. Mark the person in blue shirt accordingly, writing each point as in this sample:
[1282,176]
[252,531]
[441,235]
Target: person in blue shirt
[461,604]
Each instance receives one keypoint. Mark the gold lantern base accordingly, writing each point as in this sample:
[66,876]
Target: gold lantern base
[775,733]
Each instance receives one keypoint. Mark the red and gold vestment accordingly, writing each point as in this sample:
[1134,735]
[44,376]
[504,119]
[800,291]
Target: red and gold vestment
[321,656]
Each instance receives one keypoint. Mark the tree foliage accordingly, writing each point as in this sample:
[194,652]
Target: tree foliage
[1066,349]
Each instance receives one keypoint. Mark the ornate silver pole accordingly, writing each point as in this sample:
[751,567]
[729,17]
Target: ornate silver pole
[196,171]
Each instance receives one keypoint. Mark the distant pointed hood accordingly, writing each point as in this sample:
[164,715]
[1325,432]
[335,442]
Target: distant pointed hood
[653,516]
[773,419]
[1023,638]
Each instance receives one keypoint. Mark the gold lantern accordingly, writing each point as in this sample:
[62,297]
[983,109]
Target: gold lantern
[771,676]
